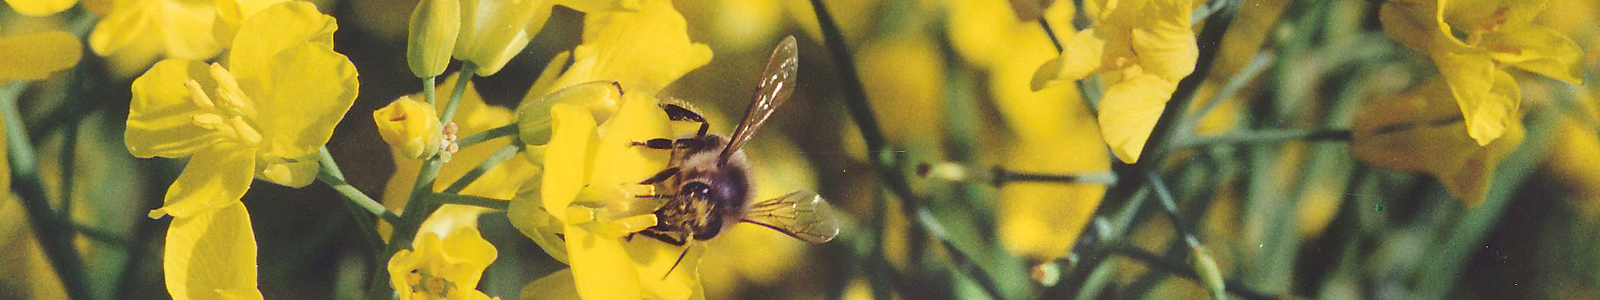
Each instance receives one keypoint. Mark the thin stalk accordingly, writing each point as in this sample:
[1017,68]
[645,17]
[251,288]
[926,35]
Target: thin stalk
[485,202]
[481,136]
[1264,136]
[54,235]
[884,160]
[488,163]
[465,76]
[427,90]
[331,175]
[67,162]
[1157,262]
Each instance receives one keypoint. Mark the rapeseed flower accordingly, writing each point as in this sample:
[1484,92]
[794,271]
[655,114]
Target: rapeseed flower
[40,7]
[446,267]
[1472,41]
[589,188]
[1419,130]
[411,127]
[1146,46]
[493,31]
[138,32]
[265,115]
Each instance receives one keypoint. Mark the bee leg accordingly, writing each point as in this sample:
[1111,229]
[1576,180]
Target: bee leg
[664,237]
[660,176]
[677,112]
[658,144]
[689,143]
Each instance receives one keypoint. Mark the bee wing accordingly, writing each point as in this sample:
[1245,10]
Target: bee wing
[801,214]
[777,83]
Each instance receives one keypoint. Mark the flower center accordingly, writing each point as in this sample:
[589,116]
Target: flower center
[429,286]
[229,113]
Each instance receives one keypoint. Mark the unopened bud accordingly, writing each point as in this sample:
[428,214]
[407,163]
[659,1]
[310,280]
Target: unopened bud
[433,30]
[411,127]
[600,98]
[1210,275]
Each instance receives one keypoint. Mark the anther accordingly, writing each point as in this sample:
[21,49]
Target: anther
[198,95]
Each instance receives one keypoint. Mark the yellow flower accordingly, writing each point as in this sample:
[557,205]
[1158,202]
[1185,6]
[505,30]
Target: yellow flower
[138,32]
[1419,130]
[1148,46]
[40,7]
[1472,40]
[410,127]
[500,182]
[591,170]
[34,56]
[265,115]
[442,268]
[492,31]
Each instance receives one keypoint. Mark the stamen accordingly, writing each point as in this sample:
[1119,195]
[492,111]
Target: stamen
[230,97]
[209,121]
[198,95]
[246,132]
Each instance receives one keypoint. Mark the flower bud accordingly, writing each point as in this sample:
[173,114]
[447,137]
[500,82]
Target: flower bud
[1206,267]
[600,98]
[411,127]
[433,30]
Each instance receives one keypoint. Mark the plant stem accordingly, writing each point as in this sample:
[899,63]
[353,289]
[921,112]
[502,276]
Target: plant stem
[464,77]
[883,159]
[331,175]
[53,234]
[427,90]
[1263,136]
[1162,263]
[481,136]
[488,163]
[485,202]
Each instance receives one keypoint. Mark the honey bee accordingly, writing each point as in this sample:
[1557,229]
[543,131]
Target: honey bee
[709,175]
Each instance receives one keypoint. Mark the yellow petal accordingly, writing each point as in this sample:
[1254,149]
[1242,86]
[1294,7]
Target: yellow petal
[1419,130]
[600,268]
[215,177]
[1084,54]
[232,13]
[600,98]
[558,285]
[1488,96]
[467,249]
[657,274]
[40,7]
[1540,50]
[644,50]
[160,116]
[1129,111]
[1481,15]
[212,255]
[34,56]
[307,92]
[566,160]
[273,30]
[617,164]
[528,215]
[1166,45]
[493,31]
[410,127]
[296,174]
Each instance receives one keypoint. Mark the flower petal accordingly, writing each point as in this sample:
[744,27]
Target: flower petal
[557,285]
[1540,50]
[1166,44]
[644,50]
[466,247]
[1129,112]
[160,116]
[212,255]
[1084,54]
[566,160]
[1419,131]
[34,56]
[215,177]
[232,13]
[308,90]
[277,28]
[660,272]
[599,269]
[493,31]
[40,7]
[1488,96]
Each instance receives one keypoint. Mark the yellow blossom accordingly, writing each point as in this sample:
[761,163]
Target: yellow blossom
[410,126]
[591,169]
[138,32]
[1146,46]
[442,268]
[40,7]
[492,31]
[34,56]
[1419,130]
[1472,41]
[265,115]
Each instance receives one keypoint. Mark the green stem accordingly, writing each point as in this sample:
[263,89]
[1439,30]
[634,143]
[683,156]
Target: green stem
[1263,136]
[54,235]
[464,77]
[427,90]
[488,163]
[485,202]
[481,136]
[331,175]
[67,163]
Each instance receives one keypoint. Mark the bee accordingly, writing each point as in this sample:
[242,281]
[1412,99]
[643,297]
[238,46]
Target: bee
[709,175]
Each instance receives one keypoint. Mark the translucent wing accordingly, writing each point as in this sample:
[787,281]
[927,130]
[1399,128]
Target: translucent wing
[801,214]
[777,83]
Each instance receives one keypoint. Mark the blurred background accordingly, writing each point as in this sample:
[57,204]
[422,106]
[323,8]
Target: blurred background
[1259,166]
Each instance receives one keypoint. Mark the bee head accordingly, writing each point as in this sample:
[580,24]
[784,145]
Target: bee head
[706,208]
